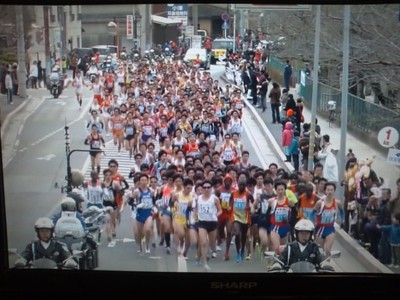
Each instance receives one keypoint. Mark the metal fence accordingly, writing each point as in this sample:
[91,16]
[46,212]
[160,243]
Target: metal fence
[362,115]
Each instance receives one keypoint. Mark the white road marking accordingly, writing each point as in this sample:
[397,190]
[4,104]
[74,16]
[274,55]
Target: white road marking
[46,157]
[155,257]
[61,103]
[182,265]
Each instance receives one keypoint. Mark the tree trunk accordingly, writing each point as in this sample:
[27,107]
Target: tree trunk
[21,52]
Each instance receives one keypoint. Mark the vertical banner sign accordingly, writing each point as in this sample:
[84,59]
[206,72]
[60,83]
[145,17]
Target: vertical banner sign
[129,27]
[178,12]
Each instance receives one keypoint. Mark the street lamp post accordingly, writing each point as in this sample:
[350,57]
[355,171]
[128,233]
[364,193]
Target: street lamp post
[116,25]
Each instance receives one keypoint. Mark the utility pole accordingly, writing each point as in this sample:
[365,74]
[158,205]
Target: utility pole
[315,89]
[21,51]
[195,18]
[46,39]
[345,94]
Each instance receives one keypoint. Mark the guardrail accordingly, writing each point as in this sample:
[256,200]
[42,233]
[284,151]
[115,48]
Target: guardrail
[364,116]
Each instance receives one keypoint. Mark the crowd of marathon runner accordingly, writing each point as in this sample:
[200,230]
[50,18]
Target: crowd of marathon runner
[199,194]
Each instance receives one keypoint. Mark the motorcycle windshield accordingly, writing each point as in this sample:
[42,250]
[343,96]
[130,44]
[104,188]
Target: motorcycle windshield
[302,267]
[44,263]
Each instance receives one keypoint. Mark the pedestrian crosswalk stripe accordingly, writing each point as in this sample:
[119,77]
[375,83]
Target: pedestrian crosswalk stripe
[124,162]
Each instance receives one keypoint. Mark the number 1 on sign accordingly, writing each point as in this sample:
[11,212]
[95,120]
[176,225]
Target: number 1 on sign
[388,134]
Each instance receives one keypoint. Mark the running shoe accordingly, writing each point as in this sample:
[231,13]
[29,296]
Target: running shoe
[242,255]
[248,257]
[168,250]
[207,268]
[226,256]
[153,244]
[238,258]
[214,255]
[147,250]
[219,248]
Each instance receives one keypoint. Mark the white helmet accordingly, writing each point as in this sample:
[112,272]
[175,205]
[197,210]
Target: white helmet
[68,204]
[146,51]
[166,49]
[136,55]
[44,223]
[304,225]
[151,50]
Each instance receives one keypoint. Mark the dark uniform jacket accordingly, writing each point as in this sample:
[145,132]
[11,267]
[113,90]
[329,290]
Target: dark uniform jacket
[311,254]
[56,251]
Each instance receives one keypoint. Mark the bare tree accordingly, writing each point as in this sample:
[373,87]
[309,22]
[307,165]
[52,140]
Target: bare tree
[374,46]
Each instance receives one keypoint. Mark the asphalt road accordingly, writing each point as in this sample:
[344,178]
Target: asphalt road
[38,161]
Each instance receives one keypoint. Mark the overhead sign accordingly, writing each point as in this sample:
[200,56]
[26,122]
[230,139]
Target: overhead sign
[388,137]
[129,27]
[178,12]
[273,7]
[394,156]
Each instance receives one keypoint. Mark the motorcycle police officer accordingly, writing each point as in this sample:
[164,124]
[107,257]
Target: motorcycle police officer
[46,247]
[302,249]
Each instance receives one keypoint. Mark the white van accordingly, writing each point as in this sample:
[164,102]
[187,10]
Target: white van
[105,50]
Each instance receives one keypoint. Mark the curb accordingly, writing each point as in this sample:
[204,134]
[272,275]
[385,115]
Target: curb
[363,256]
[356,250]
[22,105]
[277,149]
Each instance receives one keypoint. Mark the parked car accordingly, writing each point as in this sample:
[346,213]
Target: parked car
[191,54]
[83,55]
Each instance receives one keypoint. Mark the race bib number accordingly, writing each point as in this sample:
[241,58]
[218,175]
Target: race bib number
[182,207]
[281,214]
[118,126]
[228,154]
[129,130]
[264,207]
[147,201]
[163,131]
[327,217]
[225,197]
[204,209]
[95,144]
[147,130]
[239,204]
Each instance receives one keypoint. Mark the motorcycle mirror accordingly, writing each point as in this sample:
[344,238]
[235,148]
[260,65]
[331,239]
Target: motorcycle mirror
[335,254]
[12,251]
[269,253]
[77,253]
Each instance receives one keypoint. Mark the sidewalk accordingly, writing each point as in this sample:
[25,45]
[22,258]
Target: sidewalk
[7,111]
[363,151]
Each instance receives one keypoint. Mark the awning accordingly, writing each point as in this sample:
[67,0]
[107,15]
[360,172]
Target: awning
[164,21]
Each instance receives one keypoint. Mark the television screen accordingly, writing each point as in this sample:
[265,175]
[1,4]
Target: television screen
[278,164]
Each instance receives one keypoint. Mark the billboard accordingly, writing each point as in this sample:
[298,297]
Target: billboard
[129,27]
[178,12]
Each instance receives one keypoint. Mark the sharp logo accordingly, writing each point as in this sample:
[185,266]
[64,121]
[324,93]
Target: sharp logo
[235,285]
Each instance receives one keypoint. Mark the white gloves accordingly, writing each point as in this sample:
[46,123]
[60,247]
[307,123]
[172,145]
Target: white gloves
[20,262]
[71,264]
